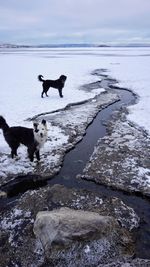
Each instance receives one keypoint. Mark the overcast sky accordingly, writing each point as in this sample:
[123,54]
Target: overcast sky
[74,21]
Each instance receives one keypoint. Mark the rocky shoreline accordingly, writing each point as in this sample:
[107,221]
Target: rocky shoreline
[129,147]
[20,247]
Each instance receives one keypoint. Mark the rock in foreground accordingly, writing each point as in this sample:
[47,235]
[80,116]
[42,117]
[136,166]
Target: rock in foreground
[62,226]
[77,238]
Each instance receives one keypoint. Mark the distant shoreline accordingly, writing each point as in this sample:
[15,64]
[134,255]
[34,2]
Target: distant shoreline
[74,46]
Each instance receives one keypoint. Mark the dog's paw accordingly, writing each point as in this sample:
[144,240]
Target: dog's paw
[17,158]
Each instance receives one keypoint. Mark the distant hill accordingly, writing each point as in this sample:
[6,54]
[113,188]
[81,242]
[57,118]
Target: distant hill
[46,45]
[72,45]
[13,46]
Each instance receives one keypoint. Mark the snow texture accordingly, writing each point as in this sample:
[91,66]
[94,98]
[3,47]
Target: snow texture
[20,90]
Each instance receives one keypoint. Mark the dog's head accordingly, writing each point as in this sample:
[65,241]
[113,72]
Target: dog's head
[2,122]
[40,132]
[63,78]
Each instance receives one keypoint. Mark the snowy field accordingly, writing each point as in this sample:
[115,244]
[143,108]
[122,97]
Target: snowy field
[20,90]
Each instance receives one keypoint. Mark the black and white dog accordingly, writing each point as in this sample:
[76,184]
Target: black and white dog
[57,84]
[33,139]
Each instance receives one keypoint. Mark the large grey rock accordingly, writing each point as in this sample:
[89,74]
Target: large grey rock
[19,247]
[63,226]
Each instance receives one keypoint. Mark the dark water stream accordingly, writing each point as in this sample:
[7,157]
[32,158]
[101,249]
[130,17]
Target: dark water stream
[74,162]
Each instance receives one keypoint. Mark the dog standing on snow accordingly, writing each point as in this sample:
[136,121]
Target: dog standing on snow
[33,139]
[57,84]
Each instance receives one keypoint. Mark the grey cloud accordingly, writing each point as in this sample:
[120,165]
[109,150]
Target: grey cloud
[53,20]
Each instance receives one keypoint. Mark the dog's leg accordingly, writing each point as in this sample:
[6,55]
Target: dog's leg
[42,94]
[37,153]
[43,90]
[60,92]
[46,88]
[31,157]
[31,151]
[14,151]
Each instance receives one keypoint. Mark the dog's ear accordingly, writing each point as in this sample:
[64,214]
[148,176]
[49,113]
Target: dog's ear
[35,125]
[44,123]
[64,78]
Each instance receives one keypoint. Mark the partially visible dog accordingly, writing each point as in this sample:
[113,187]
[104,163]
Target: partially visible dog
[33,139]
[57,84]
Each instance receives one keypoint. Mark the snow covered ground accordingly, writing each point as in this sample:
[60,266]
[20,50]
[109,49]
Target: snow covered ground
[20,90]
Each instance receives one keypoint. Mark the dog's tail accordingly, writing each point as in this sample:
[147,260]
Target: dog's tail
[3,124]
[40,78]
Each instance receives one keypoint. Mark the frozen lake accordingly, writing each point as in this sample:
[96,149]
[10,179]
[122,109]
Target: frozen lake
[20,91]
